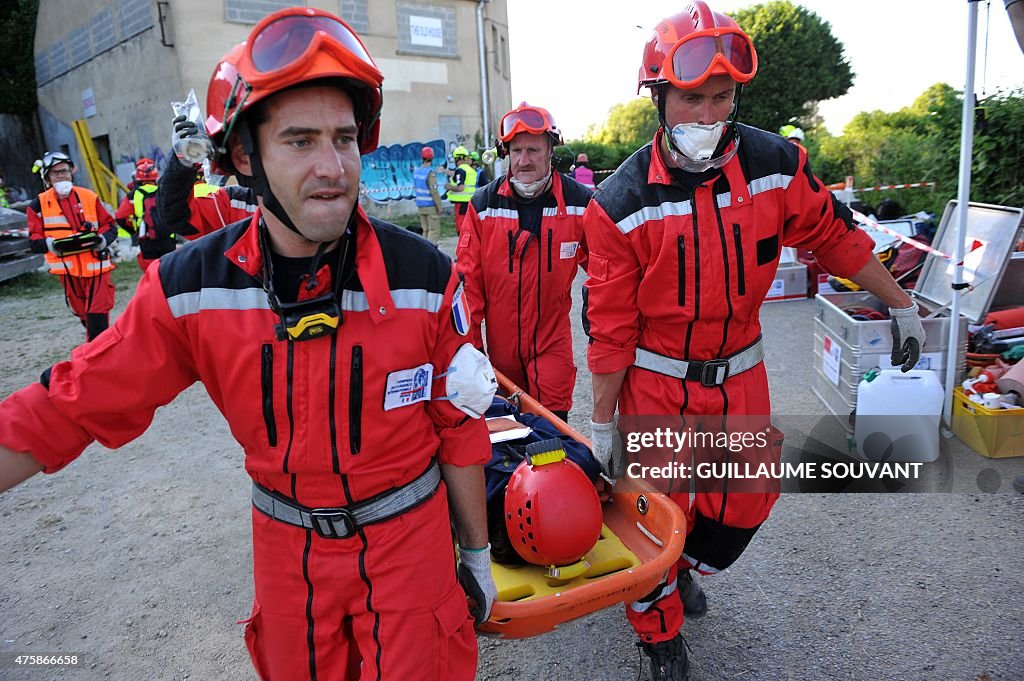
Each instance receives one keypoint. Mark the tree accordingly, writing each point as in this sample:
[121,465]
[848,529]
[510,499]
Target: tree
[632,124]
[17,65]
[921,143]
[800,63]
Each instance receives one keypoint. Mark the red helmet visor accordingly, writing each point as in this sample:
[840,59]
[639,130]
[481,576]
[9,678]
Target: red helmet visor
[525,120]
[696,57]
[290,39]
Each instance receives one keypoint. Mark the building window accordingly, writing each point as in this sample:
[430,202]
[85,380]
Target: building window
[58,59]
[251,11]
[495,55]
[504,57]
[355,13]
[42,68]
[81,48]
[134,17]
[426,30]
[102,27]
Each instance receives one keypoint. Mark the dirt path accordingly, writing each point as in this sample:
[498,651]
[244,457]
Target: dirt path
[139,560]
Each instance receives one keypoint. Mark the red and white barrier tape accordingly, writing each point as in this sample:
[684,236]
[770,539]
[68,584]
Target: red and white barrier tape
[865,220]
[895,186]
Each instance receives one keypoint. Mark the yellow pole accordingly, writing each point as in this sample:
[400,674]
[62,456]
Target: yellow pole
[99,173]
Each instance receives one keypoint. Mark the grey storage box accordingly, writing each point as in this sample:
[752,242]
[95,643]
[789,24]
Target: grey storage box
[846,347]
[790,279]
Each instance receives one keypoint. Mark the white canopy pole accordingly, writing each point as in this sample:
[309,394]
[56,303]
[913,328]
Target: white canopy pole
[963,197]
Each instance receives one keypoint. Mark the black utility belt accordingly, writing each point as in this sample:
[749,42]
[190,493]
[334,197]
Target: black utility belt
[345,521]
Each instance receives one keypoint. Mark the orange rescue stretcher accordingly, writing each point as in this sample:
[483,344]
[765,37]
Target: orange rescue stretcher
[641,538]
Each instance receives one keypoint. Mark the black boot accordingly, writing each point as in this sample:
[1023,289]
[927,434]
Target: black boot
[668,659]
[95,324]
[695,603]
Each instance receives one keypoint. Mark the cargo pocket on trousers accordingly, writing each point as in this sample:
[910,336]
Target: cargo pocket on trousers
[456,639]
[253,643]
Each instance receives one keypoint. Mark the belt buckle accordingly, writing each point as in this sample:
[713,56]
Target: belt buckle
[325,522]
[709,372]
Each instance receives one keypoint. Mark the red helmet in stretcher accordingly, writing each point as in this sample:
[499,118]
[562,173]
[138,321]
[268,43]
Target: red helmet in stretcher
[552,511]
[292,46]
[145,170]
[688,48]
[534,120]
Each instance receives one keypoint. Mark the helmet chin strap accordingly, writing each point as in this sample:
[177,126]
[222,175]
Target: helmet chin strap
[258,182]
[727,137]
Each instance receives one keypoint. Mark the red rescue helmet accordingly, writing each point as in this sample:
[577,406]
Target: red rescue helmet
[687,48]
[289,47]
[552,511]
[427,154]
[145,170]
[582,158]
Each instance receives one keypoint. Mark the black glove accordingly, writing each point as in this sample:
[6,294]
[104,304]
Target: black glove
[181,129]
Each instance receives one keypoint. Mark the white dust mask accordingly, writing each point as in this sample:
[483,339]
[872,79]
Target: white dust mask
[63,188]
[697,141]
[528,190]
[470,382]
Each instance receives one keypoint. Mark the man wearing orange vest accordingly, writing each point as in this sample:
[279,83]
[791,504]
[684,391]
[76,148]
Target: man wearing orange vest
[74,230]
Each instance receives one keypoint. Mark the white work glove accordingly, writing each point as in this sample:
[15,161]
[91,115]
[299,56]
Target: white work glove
[476,580]
[49,246]
[907,337]
[607,449]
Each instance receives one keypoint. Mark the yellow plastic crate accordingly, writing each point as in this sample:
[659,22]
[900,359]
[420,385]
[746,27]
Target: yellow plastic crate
[995,433]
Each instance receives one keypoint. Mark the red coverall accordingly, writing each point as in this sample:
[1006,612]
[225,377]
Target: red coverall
[684,274]
[86,293]
[520,283]
[382,604]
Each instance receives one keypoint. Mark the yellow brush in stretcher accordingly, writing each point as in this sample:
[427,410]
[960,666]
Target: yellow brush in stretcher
[886,256]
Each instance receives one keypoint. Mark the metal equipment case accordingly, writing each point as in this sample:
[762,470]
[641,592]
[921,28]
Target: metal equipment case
[845,347]
[790,281]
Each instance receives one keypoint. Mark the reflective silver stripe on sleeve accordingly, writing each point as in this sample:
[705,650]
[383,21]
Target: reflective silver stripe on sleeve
[218,299]
[763,184]
[648,213]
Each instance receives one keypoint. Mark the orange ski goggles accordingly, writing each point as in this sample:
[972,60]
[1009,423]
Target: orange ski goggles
[294,40]
[715,51]
[533,120]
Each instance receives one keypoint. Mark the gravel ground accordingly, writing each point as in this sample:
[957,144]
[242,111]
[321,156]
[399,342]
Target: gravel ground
[140,561]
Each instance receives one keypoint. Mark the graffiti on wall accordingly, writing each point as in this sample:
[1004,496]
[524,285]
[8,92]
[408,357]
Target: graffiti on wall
[387,172]
[156,153]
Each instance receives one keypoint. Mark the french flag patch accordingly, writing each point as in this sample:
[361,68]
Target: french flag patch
[460,312]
